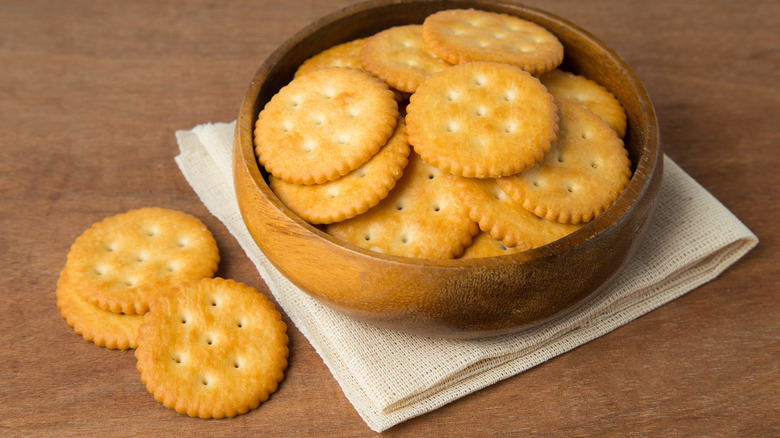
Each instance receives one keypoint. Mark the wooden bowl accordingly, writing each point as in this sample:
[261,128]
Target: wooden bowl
[464,298]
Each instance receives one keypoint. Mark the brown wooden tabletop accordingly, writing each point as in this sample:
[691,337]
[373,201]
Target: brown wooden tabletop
[91,93]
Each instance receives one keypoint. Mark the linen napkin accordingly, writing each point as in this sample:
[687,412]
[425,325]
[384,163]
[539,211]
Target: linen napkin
[390,377]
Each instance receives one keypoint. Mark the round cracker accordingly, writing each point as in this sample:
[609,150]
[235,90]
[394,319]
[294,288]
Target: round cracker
[324,124]
[353,193]
[504,219]
[213,348]
[587,92]
[468,35]
[124,262]
[117,331]
[421,217]
[584,172]
[399,56]
[345,55]
[482,119]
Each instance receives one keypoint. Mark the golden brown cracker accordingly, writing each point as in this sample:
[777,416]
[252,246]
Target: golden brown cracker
[353,193]
[589,93]
[399,56]
[467,35]
[482,119]
[345,55]
[122,263]
[212,348]
[421,217]
[504,219]
[580,177]
[484,245]
[117,331]
[324,124]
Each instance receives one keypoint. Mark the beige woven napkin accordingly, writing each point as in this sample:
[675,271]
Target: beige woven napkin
[390,377]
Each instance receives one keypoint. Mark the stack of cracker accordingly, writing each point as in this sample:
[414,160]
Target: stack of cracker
[205,346]
[459,137]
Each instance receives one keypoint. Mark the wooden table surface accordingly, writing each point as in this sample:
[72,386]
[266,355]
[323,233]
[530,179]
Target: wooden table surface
[91,92]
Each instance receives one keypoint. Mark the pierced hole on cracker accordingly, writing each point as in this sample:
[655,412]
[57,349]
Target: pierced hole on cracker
[236,364]
[99,270]
[307,146]
[111,247]
[451,96]
[341,140]
[451,127]
[205,381]
[129,282]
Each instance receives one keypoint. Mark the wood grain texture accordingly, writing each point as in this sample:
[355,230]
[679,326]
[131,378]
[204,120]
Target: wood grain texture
[91,93]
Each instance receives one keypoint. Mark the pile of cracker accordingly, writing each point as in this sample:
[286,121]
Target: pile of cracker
[457,137]
[143,279]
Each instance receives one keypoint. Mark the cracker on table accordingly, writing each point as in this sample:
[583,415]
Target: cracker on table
[117,331]
[584,172]
[589,93]
[421,217]
[506,220]
[353,193]
[345,55]
[124,262]
[399,56]
[482,119]
[467,35]
[324,124]
[484,245]
[213,348]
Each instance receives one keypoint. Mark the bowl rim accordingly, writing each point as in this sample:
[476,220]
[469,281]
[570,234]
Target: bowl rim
[645,166]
